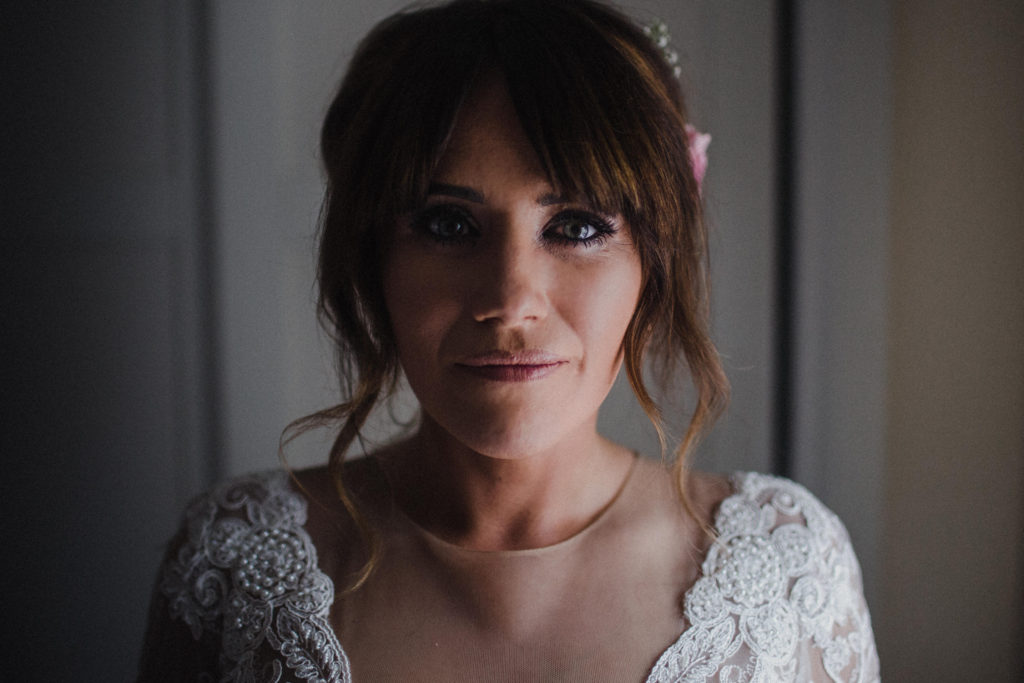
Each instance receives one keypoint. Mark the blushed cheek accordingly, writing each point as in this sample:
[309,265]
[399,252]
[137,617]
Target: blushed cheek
[416,299]
[404,281]
[400,300]
[603,311]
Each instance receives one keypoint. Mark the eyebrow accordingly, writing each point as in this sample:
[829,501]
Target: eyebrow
[551,199]
[477,197]
[458,191]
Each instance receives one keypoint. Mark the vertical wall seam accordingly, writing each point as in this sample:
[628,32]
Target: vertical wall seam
[785,238]
[207,242]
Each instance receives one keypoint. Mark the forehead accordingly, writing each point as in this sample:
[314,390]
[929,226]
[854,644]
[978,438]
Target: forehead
[488,137]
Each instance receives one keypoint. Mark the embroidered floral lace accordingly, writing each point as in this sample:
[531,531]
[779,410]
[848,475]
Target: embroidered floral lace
[779,598]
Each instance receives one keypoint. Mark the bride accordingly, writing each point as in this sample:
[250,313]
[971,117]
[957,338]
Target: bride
[512,214]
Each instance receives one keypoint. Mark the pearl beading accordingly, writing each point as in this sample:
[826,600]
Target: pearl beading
[780,587]
[270,563]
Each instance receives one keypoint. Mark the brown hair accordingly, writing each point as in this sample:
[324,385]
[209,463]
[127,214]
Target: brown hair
[605,116]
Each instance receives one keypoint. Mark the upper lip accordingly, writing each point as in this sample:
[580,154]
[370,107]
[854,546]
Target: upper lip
[499,357]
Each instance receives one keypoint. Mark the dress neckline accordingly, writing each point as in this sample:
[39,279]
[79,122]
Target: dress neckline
[781,575]
[664,658]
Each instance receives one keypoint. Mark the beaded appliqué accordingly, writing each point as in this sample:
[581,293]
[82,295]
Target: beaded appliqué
[780,586]
[248,572]
[780,591]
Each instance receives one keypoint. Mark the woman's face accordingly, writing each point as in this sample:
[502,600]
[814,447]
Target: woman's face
[508,303]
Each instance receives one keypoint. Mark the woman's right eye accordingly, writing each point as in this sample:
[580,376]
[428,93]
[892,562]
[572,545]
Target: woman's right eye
[445,224]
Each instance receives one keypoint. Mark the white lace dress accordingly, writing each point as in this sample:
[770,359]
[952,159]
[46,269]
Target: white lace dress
[779,596]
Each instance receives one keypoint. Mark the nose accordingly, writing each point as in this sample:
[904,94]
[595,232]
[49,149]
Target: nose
[512,283]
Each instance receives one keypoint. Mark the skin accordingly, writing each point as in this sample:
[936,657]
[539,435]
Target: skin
[509,305]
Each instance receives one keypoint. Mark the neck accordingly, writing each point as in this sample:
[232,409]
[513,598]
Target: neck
[509,503]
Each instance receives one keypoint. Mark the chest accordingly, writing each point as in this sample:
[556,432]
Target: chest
[598,608]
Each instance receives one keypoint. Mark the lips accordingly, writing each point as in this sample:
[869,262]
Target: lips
[505,366]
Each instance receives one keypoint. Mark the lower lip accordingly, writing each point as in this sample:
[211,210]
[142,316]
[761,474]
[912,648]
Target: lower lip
[512,373]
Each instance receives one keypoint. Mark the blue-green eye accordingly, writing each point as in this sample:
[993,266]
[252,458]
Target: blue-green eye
[448,227]
[579,228]
[445,223]
[576,229]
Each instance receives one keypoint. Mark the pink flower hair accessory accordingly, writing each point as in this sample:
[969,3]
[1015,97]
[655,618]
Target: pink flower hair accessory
[697,145]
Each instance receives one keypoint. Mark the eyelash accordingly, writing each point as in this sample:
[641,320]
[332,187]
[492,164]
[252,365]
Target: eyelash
[603,228]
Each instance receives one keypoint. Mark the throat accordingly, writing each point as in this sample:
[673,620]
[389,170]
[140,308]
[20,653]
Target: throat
[489,504]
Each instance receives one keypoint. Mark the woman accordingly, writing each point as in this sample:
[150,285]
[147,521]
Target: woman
[512,214]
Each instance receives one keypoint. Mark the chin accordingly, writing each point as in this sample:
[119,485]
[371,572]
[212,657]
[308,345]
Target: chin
[507,437]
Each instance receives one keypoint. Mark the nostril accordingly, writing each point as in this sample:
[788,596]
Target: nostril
[510,298]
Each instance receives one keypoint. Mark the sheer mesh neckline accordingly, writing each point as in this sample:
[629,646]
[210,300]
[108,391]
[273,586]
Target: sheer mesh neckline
[778,597]
[443,546]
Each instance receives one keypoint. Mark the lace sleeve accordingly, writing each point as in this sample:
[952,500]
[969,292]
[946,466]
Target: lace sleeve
[240,596]
[836,642]
[170,652]
[779,599]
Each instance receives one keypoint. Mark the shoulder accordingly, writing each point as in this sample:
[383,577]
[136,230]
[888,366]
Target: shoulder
[243,576]
[245,538]
[780,587]
[761,504]
[265,499]
[777,543]
[240,593]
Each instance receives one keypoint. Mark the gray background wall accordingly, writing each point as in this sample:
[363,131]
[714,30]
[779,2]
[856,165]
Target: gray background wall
[954,469]
[160,193]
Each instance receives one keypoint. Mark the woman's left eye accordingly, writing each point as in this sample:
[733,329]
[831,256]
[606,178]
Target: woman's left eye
[580,229]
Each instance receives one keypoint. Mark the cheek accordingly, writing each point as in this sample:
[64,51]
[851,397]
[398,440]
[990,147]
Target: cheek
[602,308]
[418,305]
